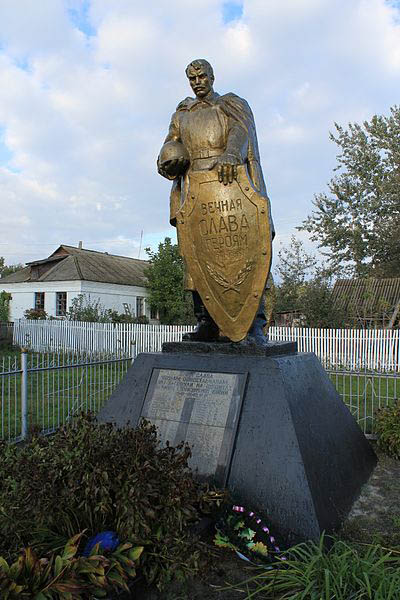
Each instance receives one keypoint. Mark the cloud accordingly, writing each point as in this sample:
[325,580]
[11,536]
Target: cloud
[88,89]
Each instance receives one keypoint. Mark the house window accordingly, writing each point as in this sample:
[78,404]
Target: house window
[39,300]
[61,304]
[153,313]
[139,306]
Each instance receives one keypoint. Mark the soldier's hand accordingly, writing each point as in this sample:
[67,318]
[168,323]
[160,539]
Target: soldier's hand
[175,167]
[227,167]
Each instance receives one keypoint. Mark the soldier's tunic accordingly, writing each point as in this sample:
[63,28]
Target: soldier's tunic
[209,127]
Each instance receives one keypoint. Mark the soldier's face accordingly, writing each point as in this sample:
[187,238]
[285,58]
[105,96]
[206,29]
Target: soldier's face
[200,82]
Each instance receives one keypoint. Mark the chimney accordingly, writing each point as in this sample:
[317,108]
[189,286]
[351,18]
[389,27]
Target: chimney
[80,245]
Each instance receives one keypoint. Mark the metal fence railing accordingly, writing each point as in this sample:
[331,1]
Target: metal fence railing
[351,349]
[72,366]
[41,391]
[365,392]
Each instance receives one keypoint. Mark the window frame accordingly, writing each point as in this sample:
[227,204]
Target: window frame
[39,305]
[61,310]
[140,308]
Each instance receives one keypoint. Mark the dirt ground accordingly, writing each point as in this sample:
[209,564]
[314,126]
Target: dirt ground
[375,517]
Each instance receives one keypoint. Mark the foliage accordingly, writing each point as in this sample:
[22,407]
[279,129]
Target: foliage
[97,477]
[343,572]
[388,430]
[357,220]
[5,298]
[294,266]
[317,304]
[84,309]
[35,314]
[68,576]
[8,269]
[116,317]
[305,287]
[166,276]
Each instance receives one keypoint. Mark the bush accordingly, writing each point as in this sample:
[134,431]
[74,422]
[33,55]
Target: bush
[5,299]
[84,309]
[97,477]
[388,430]
[344,572]
[35,314]
[68,575]
[116,317]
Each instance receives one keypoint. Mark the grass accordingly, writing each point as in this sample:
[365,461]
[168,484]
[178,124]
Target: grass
[56,390]
[365,392]
[55,394]
[364,572]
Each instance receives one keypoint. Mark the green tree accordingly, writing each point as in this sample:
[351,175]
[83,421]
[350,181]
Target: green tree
[306,287]
[8,269]
[294,266]
[5,299]
[356,222]
[83,308]
[166,293]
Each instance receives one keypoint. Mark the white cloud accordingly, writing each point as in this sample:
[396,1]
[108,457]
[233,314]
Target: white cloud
[84,117]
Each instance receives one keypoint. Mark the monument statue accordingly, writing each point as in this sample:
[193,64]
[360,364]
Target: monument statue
[220,207]
[259,419]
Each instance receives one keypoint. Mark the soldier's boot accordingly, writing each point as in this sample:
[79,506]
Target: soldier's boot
[256,333]
[206,329]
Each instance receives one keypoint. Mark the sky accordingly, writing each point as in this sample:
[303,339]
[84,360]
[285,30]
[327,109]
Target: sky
[87,89]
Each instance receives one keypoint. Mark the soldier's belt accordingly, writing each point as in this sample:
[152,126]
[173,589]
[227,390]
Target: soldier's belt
[206,153]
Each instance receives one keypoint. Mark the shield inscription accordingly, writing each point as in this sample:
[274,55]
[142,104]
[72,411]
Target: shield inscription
[225,239]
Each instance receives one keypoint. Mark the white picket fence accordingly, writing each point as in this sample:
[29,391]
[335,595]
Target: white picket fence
[352,349]
[116,338]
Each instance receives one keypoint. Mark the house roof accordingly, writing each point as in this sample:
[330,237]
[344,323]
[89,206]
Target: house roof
[69,263]
[368,298]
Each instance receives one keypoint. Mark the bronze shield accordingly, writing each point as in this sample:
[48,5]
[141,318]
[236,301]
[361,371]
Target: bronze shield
[225,239]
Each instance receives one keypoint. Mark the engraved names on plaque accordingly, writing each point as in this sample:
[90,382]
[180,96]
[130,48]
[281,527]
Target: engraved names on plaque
[201,408]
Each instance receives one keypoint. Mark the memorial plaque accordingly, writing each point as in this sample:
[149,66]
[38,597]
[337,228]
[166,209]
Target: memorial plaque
[198,407]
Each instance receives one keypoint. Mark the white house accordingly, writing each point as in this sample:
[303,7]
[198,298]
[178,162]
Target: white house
[117,282]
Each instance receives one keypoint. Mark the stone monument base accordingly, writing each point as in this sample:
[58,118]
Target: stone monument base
[266,423]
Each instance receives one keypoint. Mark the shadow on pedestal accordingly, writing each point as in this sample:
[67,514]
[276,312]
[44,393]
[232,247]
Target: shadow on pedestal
[268,423]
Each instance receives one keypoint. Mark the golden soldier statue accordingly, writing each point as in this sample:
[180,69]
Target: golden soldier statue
[220,207]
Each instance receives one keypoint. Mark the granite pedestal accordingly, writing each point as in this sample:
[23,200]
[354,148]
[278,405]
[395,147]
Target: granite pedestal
[267,423]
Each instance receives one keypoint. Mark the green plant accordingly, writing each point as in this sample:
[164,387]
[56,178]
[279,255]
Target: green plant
[346,221]
[5,298]
[396,521]
[68,576]
[343,572]
[98,477]
[165,275]
[388,430]
[6,270]
[35,314]
[84,309]
[116,317]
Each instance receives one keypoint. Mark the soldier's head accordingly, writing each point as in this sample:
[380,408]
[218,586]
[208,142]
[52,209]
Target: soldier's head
[201,77]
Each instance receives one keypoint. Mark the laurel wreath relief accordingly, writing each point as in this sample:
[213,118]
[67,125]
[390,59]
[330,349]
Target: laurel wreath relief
[233,283]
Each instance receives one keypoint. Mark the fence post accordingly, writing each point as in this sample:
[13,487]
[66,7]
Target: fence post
[24,393]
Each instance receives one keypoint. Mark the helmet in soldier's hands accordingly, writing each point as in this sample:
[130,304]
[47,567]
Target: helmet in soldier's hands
[173,158]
